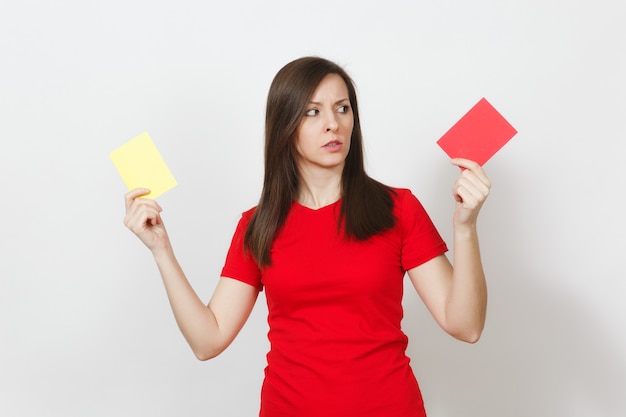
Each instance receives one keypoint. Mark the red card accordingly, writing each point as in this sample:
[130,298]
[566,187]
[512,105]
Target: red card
[478,135]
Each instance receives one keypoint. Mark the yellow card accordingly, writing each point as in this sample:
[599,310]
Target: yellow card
[140,164]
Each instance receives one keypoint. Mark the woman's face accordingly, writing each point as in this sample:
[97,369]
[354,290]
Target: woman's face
[323,137]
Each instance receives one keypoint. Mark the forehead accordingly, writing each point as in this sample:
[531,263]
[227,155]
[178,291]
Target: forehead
[332,87]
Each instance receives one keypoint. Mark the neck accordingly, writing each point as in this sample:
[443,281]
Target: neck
[319,189]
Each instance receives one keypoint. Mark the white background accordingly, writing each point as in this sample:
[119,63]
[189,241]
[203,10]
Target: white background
[85,327]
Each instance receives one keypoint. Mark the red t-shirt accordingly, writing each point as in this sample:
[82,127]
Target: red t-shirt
[335,307]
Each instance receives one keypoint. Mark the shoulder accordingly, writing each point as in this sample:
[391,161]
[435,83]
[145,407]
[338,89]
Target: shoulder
[401,195]
[399,192]
[405,202]
[245,218]
[248,213]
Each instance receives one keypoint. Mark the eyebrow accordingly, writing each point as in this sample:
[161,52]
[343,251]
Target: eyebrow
[317,103]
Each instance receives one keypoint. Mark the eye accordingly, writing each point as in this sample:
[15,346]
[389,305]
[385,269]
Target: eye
[312,112]
[343,109]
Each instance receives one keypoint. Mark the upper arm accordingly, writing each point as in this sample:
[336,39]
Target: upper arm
[231,305]
[432,281]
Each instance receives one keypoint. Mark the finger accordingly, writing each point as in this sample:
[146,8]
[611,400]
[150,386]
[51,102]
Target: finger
[477,181]
[473,185]
[130,196]
[464,163]
[467,164]
[467,200]
[153,220]
[139,202]
[141,218]
[470,191]
[138,205]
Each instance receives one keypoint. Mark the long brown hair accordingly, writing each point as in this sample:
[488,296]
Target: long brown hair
[367,205]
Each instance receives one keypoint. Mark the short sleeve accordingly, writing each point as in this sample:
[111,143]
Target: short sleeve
[240,264]
[420,239]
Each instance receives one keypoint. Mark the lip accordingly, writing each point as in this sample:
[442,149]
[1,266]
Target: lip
[333,145]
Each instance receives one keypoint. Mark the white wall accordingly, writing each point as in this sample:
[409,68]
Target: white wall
[85,327]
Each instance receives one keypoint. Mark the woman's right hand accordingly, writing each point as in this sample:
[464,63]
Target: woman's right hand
[143,218]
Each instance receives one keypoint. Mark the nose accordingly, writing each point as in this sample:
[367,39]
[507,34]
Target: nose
[331,122]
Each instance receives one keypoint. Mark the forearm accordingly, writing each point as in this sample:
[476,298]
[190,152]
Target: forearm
[195,320]
[467,303]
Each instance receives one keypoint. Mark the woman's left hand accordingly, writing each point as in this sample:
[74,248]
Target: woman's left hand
[470,191]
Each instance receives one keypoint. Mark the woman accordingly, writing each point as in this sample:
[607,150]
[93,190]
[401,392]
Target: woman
[330,246]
